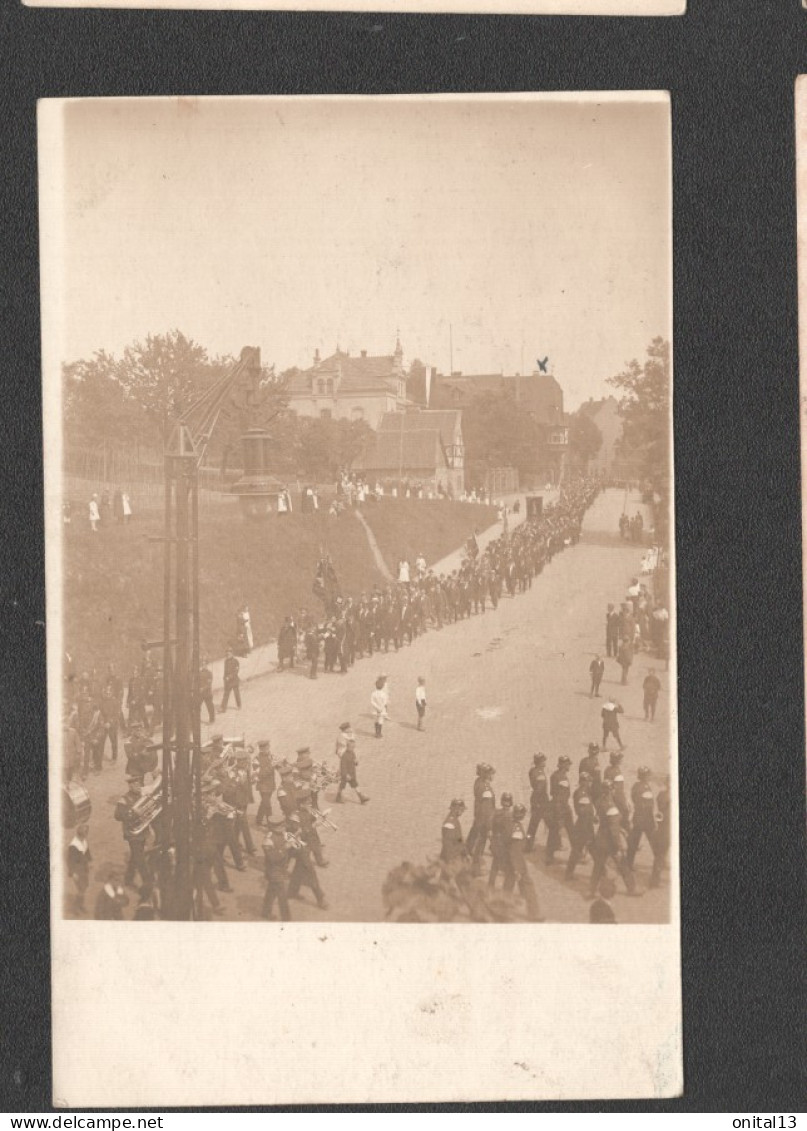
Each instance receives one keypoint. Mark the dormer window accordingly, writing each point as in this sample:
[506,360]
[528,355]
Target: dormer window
[321,387]
[329,386]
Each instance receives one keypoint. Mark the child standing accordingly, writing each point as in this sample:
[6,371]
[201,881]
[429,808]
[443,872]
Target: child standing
[420,701]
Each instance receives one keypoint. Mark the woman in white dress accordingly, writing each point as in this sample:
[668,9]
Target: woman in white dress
[95,514]
[403,571]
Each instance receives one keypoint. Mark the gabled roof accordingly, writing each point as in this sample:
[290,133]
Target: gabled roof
[403,451]
[357,374]
[445,421]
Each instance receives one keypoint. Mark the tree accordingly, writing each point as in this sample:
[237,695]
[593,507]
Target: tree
[164,374]
[585,438]
[96,407]
[645,407]
[498,433]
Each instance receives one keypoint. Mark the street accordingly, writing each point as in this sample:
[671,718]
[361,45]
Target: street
[500,688]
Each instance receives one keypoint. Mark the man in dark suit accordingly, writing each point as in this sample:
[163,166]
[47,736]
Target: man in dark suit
[232,681]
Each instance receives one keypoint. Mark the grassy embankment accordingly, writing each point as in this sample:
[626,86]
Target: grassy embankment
[114,580]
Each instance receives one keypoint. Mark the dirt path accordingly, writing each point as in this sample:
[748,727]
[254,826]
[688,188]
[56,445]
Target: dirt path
[371,541]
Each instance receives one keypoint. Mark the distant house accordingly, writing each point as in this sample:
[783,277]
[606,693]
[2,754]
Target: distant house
[605,414]
[417,447]
[538,394]
[351,387]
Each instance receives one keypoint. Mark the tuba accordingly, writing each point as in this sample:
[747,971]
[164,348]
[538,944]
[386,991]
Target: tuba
[147,807]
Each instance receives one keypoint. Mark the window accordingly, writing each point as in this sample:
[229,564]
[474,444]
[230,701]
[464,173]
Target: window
[325,414]
[357,413]
[329,386]
[321,387]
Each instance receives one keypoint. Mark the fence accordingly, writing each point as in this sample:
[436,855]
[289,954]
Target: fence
[133,468]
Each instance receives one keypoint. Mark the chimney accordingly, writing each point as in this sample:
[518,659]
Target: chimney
[429,377]
[364,353]
[316,356]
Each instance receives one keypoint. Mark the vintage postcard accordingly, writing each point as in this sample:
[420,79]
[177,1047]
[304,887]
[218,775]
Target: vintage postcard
[361,598]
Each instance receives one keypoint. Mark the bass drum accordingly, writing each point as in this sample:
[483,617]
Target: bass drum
[76,805]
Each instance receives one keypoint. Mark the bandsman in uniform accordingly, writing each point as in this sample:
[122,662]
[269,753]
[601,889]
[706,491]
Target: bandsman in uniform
[584,825]
[266,782]
[453,850]
[124,812]
[286,793]
[484,808]
[519,873]
[308,824]
[303,872]
[539,799]
[500,832]
[277,856]
[560,792]
[304,770]
[644,815]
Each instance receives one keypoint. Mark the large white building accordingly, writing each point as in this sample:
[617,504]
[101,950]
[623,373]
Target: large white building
[348,386]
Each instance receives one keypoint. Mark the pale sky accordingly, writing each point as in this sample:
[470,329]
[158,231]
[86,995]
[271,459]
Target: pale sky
[293,224]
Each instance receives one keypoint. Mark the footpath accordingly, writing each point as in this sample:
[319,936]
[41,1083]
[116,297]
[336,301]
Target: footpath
[263,657]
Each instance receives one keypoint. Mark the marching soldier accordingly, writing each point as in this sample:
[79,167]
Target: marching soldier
[125,813]
[453,851]
[206,690]
[266,782]
[644,815]
[232,681]
[519,873]
[560,810]
[484,807]
[591,765]
[662,833]
[277,855]
[539,799]
[584,826]
[609,843]
[500,832]
[347,772]
[614,777]
[303,873]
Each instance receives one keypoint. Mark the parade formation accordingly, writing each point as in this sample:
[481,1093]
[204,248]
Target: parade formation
[600,819]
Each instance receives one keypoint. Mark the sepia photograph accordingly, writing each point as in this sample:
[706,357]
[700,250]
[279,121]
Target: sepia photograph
[360,539]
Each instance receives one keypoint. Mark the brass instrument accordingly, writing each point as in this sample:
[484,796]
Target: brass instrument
[291,840]
[321,818]
[148,806]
